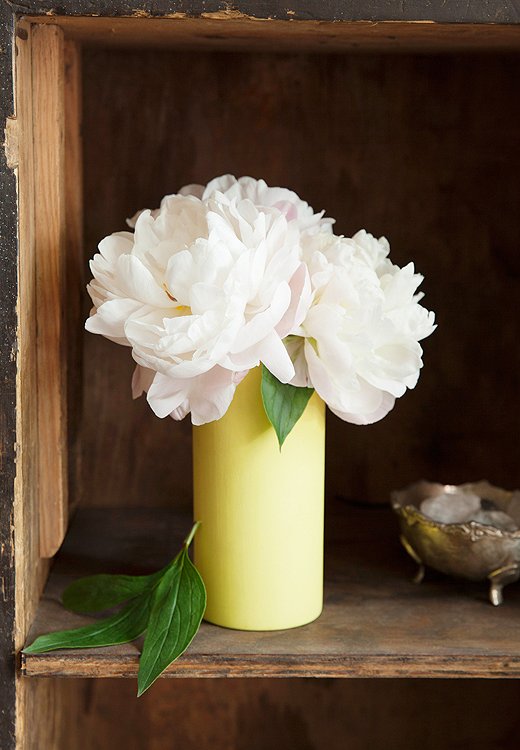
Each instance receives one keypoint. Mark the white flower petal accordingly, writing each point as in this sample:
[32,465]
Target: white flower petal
[138,282]
[301,298]
[110,319]
[207,396]
[386,405]
[273,354]
[165,394]
[142,379]
[295,346]
[263,323]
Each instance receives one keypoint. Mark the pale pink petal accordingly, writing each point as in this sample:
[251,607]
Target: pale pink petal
[301,298]
[166,394]
[362,402]
[385,406]
[207,396]
[295,346]
[196,190]
[142,379]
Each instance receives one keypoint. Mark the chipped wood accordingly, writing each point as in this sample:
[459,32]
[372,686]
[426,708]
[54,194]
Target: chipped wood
[11,142]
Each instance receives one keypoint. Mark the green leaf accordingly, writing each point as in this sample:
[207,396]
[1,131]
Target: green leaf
[283,403]
[100,592]
[178,605]
[169,605]
[127,625]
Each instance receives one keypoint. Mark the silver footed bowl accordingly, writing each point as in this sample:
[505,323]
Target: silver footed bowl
[471,550]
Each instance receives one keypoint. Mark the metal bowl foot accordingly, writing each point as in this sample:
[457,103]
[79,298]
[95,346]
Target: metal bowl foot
[500,578]
[419,576]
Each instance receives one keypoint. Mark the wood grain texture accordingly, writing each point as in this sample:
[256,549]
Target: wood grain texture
[37,704]
[235,32]
[400,145]
[375,623]
[72,259]
[302,714]
[50,208]
[32,570]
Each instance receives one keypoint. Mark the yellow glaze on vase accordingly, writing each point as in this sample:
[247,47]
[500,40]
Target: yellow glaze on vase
[260,546]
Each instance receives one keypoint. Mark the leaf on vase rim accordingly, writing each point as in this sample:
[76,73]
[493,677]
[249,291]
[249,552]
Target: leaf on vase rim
[283,403]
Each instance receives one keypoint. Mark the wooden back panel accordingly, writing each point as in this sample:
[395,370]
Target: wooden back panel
[401,145]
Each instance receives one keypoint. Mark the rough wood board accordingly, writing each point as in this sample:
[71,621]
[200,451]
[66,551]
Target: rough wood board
[29,567]
[39,704]
[50,210]
[73,261]
[302,714]
[246,34]
[375,623]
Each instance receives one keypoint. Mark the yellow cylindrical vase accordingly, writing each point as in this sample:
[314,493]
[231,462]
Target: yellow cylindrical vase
[259,549]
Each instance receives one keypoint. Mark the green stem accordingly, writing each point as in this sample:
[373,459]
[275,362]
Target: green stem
[192,533]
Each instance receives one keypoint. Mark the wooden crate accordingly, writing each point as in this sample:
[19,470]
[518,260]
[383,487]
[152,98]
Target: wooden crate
[395,117]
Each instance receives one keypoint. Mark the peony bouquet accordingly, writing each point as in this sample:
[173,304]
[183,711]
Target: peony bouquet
[223,278]
[217,281]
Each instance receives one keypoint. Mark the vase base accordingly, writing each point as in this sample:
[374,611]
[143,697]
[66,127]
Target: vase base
[237,624]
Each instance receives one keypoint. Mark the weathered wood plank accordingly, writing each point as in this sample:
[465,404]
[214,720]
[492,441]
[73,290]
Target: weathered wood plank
[375,623]
[50,208]
[73,261]
[298,713]
[285,666]
[214,31]
[38,704]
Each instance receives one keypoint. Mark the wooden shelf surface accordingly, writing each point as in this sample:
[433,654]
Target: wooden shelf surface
[375,623]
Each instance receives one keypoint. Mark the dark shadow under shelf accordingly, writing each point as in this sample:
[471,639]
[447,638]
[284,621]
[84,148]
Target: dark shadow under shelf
[375,623]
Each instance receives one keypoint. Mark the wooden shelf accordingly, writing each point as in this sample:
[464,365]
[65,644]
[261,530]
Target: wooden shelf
[375,623]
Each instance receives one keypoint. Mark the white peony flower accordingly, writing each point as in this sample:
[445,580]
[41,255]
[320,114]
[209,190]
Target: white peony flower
[263,196]
[358,346]
[222,278]
[202,292]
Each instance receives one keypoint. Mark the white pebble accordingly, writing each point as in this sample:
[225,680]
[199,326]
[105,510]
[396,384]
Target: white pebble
[495,518]
[451,507]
